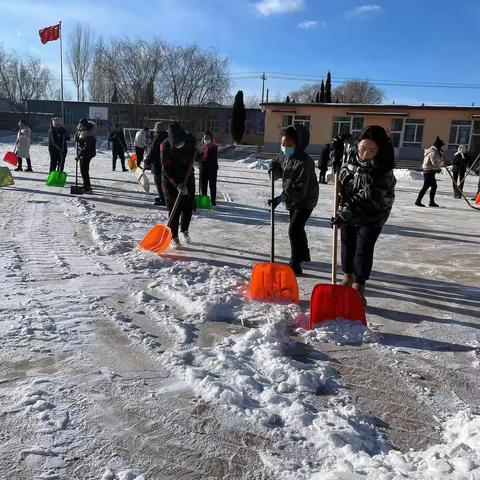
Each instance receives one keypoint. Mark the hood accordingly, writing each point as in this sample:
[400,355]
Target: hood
[302,135]
[431,150]
[89,132]
[176,134]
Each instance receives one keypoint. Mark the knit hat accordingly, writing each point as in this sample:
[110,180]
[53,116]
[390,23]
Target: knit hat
[57,122]
[439,143]
[83,123]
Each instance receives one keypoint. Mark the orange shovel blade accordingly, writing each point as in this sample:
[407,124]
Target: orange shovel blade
[331,302]
[157,240]
[477,199]
[273,282]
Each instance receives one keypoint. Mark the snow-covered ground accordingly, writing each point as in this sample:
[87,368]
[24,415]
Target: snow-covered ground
[120,364]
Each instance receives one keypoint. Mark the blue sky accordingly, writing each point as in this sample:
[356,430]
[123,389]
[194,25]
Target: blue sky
[410,40]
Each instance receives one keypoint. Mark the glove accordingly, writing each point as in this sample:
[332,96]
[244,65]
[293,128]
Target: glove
[182,189]
[276,201]
[337,220]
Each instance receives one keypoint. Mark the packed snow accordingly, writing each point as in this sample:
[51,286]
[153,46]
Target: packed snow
[123,364]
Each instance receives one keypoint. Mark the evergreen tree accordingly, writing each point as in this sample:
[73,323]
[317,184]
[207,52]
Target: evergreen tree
[239,116]
[328,88]
[317,97]
[322,92]
[287,100]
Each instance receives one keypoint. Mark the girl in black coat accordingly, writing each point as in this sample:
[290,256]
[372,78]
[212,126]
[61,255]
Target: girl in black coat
[86,150]
[57,144]
[367,195]
[208,165]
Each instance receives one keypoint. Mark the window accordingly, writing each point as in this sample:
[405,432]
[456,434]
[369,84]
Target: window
[296,120]
[396,131]
[353,125]
[460,133]
[412,133]
[210,124]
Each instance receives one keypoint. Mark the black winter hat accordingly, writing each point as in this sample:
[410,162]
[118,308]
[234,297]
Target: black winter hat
[83,122]
[176,134]
[439,143]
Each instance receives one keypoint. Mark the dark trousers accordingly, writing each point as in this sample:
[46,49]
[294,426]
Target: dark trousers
[458,173]
[139,152]
[358,244]
[85,171]
[429,181]
[57,160]
[297,235]
[209,179]
[322,176]
[19,163]
[182,218]
[118,154]
[157,176]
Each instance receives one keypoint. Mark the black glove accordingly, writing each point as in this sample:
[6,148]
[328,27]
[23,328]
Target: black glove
[276,201]
[337,220]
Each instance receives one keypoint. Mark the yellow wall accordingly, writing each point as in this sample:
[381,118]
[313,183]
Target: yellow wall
[437,122]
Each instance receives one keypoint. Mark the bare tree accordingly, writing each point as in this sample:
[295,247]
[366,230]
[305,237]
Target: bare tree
[191,76]
[100,86]
[22,80]
[358,91]
[305,94]
[79,56]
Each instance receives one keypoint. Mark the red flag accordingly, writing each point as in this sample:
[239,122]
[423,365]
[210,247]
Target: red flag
[49,33]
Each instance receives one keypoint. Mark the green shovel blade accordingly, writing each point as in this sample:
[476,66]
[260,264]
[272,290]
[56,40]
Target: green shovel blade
[52,179]
[203,201]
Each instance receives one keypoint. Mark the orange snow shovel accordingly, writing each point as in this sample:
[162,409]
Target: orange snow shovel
[332,302]
[273,282]
[158,239]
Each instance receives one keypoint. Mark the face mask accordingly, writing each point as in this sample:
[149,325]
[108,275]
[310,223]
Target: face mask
[207,142]
[179,145]
[287,150]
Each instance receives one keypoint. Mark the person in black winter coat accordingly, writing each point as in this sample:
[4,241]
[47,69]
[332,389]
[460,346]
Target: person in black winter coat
[57,144]
[86,150]
[177,154]
[208,165]
[323,163]
[459,169]
[300,189]
[119,145]
[153,159]
[367,194]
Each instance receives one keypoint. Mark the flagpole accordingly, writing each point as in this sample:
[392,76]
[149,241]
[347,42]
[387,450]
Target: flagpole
[61,72]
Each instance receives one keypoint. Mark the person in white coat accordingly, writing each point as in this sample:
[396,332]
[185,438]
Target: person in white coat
[22,146]
[142,137]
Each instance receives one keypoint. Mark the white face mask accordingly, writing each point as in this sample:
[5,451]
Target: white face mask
[207,141]
[179,145]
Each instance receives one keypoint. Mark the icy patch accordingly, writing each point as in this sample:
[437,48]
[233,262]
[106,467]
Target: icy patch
[406,174]
[340,332]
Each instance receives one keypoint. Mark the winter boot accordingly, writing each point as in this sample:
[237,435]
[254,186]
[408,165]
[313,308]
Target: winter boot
[159,201]
[296,267]
[29,166]
[360,288]
[418,203]
[433,204]
[186,237]
[175,243]
[18,169]
[347,280]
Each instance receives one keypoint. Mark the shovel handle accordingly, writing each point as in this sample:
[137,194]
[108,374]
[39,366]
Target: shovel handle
[335,228]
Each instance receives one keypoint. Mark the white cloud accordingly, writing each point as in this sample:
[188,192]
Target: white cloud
[275,7]
[309,24]
[363,11]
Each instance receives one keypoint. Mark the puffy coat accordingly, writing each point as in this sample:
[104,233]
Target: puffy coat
[176,163]
[23,142]
[86,141]
[57,141]
[117,137]
[141,139]
[208,161]
[432,160]
[297,171]
[367,189]
[460,162]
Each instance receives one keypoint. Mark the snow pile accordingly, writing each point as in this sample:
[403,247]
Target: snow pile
[234,152]
[340,332]
[406,174]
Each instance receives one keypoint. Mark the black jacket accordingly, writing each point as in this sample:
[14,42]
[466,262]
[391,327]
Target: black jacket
[176,163]
[86,142]
[153,157]
[117,137]
[57,141]
[460,161]
[324,158]
[365,205]
[208,161]
[299,181]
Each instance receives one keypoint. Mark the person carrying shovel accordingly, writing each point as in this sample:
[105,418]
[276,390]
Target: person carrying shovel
[367,193]
[57,144]
[177,154]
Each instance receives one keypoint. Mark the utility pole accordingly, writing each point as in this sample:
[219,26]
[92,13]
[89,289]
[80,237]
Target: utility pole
[267,95]
[263,78]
